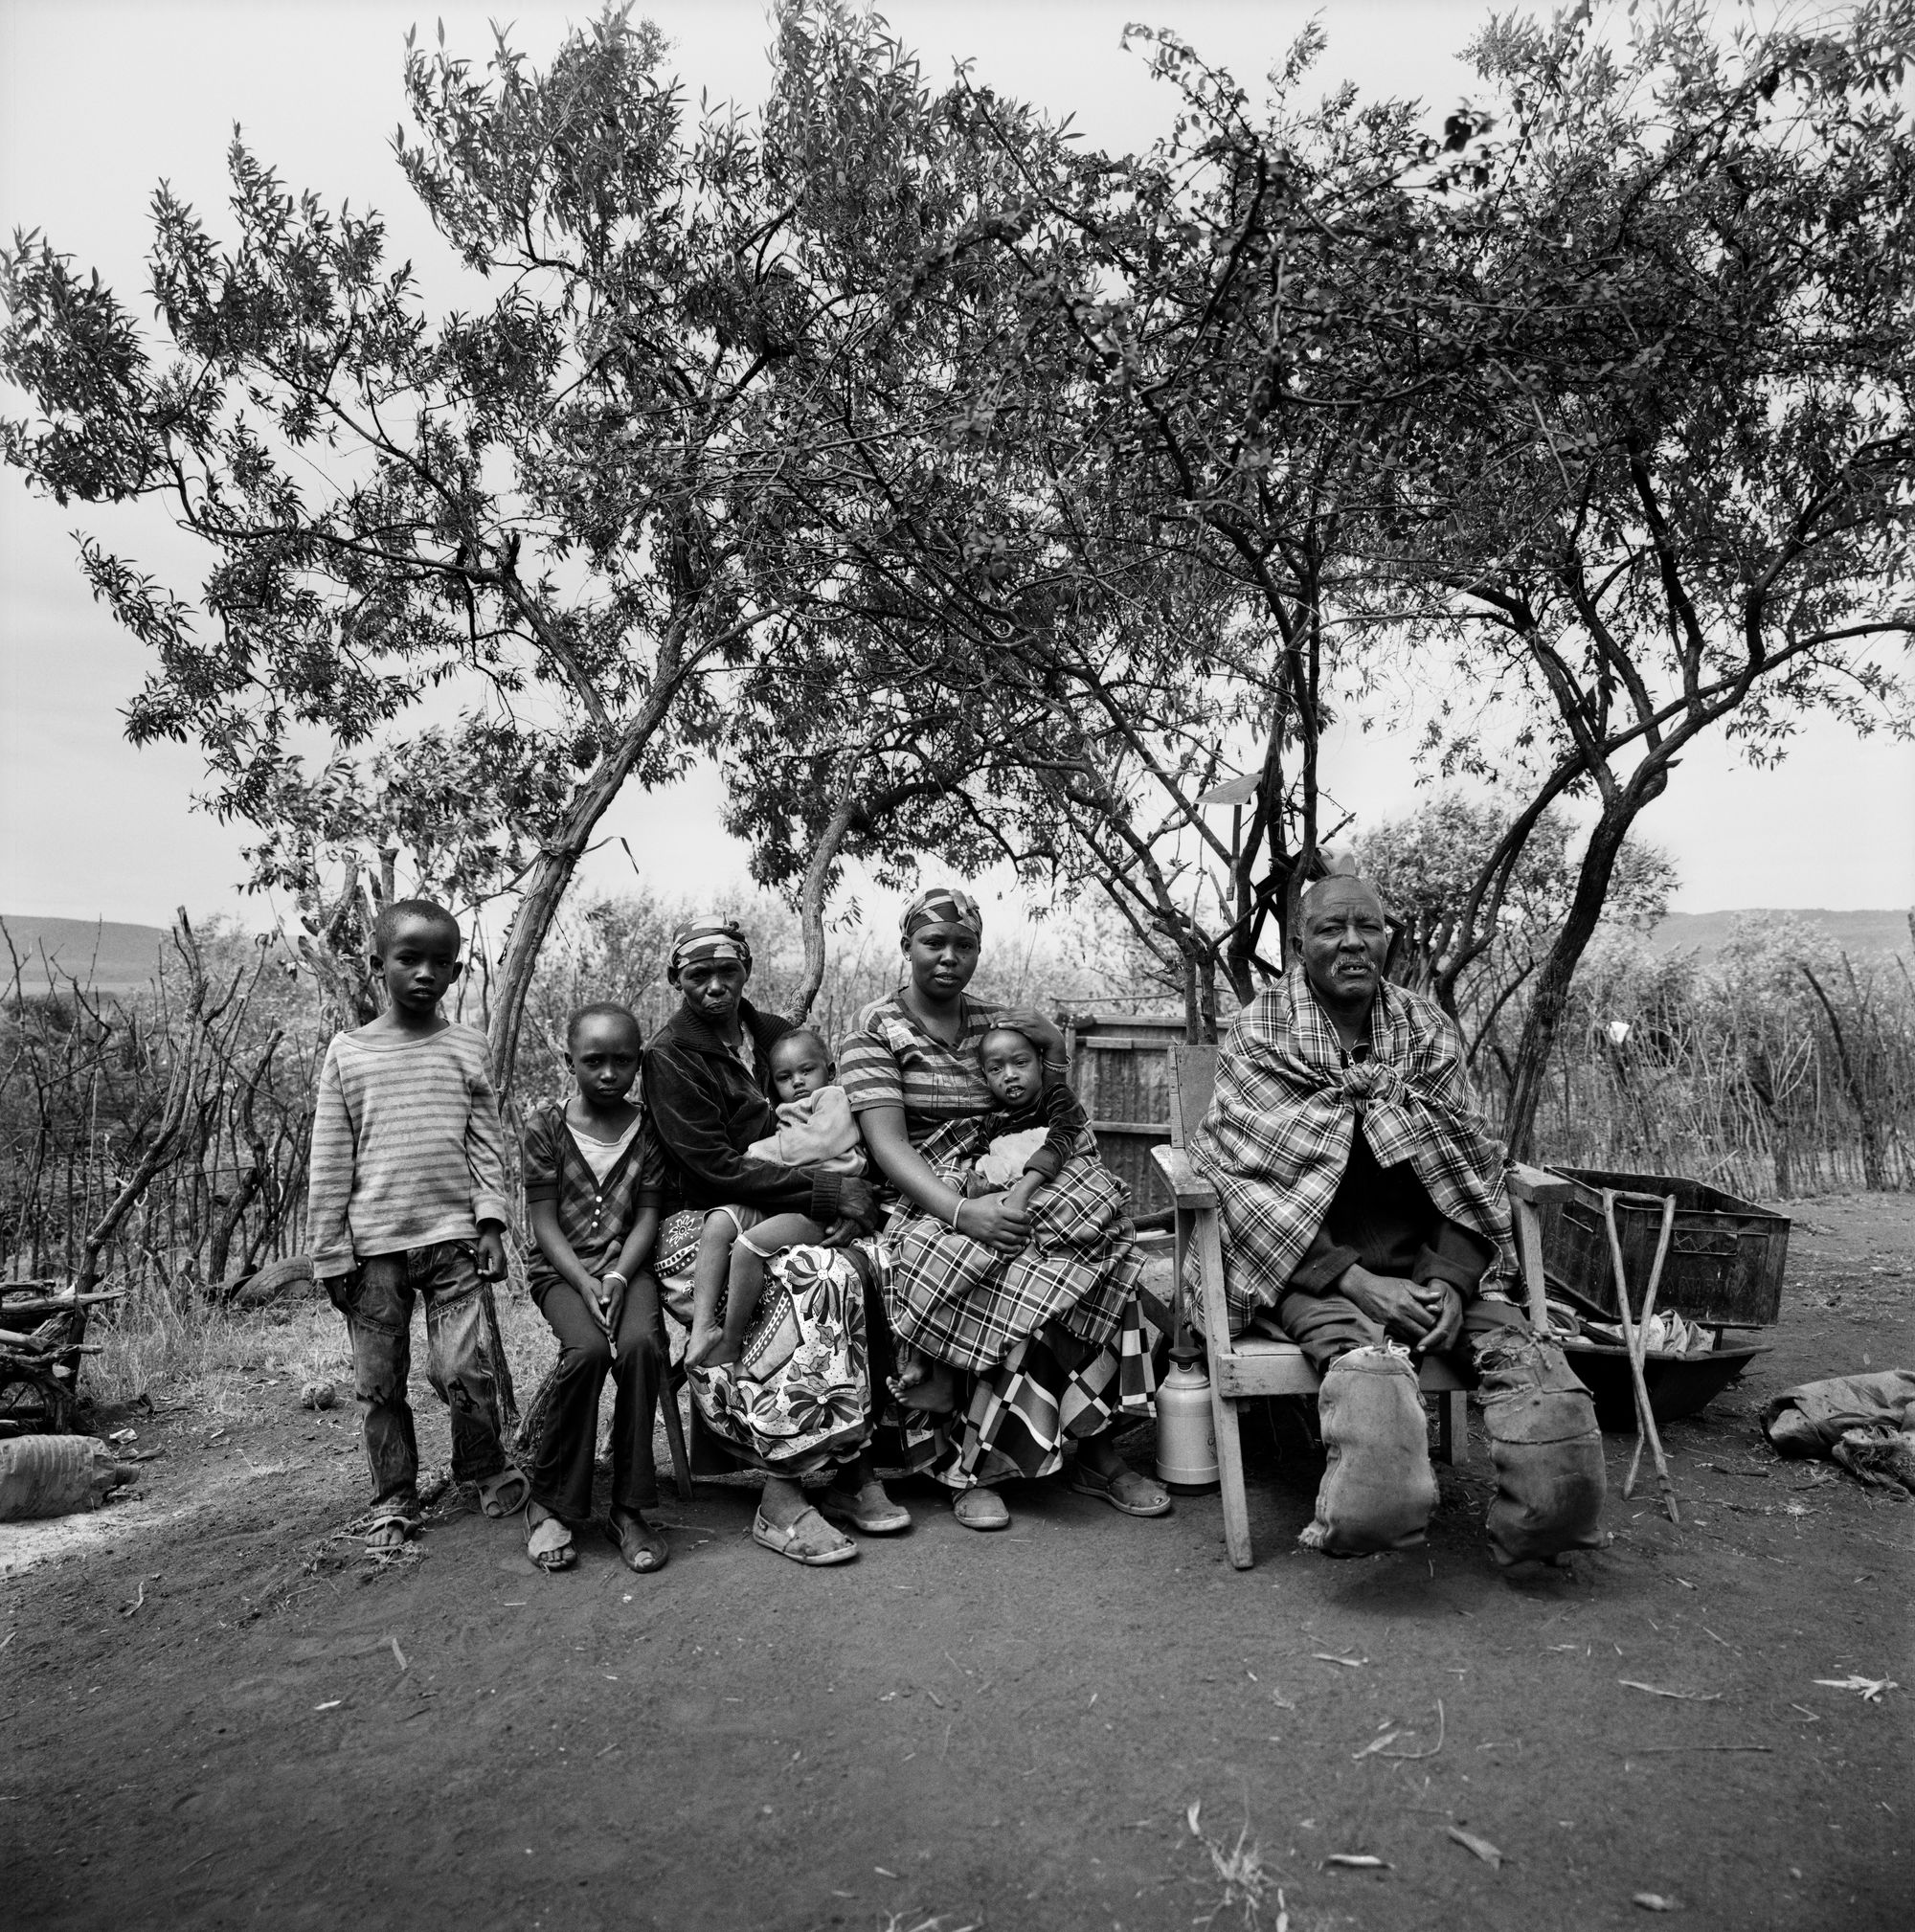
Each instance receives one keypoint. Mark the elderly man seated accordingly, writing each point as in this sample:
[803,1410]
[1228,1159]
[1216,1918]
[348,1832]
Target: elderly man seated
[1365,1215]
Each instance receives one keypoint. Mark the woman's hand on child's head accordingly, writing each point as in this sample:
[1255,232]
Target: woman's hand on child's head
[1037,1027]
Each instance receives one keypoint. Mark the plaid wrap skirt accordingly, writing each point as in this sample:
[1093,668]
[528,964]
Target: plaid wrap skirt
[953,1298]
[1053,1337]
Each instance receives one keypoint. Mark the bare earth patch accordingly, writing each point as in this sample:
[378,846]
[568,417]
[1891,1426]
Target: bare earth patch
[216,1713]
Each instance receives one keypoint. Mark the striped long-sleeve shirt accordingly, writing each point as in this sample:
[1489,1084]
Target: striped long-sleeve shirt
[407,1148]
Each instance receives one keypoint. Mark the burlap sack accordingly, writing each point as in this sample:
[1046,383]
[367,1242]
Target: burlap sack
[1546,1450]
[1379,1489]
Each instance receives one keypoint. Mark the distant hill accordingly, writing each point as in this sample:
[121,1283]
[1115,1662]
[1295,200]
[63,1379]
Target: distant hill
[1861,934]
[105,954]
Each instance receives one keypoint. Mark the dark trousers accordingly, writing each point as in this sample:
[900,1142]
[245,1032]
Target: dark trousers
[561,1472]
[376,1299]
[1325,1326]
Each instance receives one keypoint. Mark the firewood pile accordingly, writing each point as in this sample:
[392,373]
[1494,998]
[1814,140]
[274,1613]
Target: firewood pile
[42,1339]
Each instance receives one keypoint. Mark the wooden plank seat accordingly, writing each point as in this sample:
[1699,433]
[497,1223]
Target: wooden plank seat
[1249,1366]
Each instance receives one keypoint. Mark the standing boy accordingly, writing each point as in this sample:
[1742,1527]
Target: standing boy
[407,1200]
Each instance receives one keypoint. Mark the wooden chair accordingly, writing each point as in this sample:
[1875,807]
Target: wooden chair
[1249,1366]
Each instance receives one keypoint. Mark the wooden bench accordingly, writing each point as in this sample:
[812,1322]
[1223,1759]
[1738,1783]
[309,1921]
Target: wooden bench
[1249,1366]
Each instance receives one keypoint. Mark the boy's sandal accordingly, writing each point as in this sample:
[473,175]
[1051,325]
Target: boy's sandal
[549,1545]
[643,1549]
[982,1509]
[391,1528]
[867,1508]
[504,1493]
[807,1540]
[1134,1494]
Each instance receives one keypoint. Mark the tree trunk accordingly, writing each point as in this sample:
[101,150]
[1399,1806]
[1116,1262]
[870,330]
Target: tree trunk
[1874,1162]
[552,873]
[811,902]
[1551,995]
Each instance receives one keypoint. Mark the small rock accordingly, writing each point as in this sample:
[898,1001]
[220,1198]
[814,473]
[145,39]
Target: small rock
[318,1395]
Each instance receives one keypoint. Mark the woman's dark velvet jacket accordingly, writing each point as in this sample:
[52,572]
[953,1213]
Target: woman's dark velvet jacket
[705,1110]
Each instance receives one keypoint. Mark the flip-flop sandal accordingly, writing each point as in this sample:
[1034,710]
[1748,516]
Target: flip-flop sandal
[550,1546]
[379,1539]
[807,1540]
[643,1550]
[982,1509]
[504,1494]
[1134,1494]
[867,1508]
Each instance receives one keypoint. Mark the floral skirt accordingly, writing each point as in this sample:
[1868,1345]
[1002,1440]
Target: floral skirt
[798,1400]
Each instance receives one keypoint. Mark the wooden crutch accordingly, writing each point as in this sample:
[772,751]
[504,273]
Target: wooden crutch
[1636,1337]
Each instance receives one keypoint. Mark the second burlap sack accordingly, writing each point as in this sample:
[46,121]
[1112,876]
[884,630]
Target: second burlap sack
[1546,1450]
[1379,1489]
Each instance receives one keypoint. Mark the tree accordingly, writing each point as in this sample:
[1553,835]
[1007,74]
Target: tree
[1662,481]
[1589,417]
[513,546]
[1427,864]
[1093,586]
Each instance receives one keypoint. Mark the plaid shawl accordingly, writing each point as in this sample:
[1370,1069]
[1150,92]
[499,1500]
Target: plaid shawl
[1277,1137]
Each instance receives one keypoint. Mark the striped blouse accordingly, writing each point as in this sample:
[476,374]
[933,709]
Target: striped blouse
[890,1060]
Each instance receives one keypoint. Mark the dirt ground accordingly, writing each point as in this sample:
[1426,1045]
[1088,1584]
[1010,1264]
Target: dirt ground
[215,1716]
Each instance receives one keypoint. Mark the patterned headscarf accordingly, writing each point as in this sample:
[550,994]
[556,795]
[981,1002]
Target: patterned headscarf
[941,906]
[710,939]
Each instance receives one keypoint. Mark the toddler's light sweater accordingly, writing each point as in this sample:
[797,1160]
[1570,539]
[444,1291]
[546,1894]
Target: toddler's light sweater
[407,1148]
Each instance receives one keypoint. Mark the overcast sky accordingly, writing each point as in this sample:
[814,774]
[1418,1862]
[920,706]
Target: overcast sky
[98,103]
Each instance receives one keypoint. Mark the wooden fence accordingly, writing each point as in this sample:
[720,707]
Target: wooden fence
[1120,1071]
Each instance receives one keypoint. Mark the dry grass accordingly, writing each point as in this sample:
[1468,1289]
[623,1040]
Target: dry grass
[1247,1885]
[214,1359]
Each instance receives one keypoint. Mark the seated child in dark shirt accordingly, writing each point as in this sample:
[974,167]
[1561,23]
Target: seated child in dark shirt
[815,1129]
[1013,1069]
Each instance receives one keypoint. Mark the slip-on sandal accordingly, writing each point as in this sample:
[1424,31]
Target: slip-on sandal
[982,1509]
[809,1540]
[867,1508]
[503,1494]
[643,1549]
[1134,1494]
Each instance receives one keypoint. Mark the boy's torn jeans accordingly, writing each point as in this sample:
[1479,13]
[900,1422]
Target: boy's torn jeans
[376,1299]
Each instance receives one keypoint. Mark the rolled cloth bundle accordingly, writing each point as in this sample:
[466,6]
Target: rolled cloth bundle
[1378,1488]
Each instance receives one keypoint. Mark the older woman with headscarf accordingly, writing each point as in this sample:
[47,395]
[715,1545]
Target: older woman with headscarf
[1046,1337]
[800,1401]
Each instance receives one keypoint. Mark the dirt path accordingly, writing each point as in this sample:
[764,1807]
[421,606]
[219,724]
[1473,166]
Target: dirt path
[1002,1731]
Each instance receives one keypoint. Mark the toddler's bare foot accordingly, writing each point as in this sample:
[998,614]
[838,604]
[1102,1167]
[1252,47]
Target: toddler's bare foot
[933,1393]
[700,1349]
